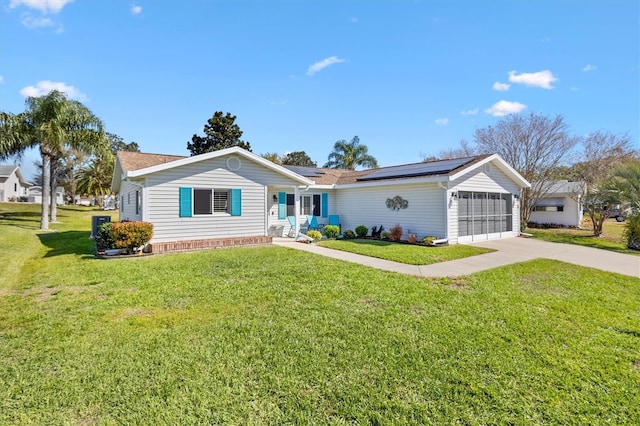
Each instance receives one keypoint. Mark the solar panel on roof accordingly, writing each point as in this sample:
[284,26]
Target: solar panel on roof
[305,171]
[418,169]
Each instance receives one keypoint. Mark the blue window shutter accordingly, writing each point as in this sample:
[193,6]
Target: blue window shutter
[236,202]
[185,201]
[282,205]
[325,205]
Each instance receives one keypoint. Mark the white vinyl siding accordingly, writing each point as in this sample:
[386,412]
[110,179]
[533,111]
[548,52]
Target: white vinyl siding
[163,200]
[487,179]
[366,206]
[570,215]
[130,198]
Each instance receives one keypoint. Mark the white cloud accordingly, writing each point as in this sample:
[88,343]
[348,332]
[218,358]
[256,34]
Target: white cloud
[541,79]
[45,86]
[136,10]
[470,111]
[354,20]
[442,121]
[502,108]
[1,79]
[589,67]
[44,6]
[31,22]
[501,87]
[319,66]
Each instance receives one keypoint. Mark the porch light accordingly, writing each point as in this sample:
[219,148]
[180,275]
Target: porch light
[516,196]
[275,198]
[454,195]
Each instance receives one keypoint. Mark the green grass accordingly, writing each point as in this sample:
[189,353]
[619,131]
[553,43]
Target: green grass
[611,238]
[404,253]
[273,335]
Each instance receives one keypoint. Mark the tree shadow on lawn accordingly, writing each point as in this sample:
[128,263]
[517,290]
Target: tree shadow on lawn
[68,242]
[20,218]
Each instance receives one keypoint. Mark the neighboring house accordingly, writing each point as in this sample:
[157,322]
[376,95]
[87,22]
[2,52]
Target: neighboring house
[35,195]
[560,205]
[12,184]
[234,197]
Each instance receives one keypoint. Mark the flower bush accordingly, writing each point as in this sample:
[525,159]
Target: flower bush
[395,233]
[131,235]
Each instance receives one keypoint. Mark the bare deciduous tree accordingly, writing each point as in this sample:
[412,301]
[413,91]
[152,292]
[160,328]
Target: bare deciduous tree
[535,145]
[603,153]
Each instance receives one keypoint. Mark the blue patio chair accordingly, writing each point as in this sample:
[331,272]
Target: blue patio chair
[313,223]
[334,219]
[304,227]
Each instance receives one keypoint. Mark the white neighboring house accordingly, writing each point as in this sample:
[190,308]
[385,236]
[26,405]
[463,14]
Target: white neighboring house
[234,197]
[12,184]
[35,195]
[561,205]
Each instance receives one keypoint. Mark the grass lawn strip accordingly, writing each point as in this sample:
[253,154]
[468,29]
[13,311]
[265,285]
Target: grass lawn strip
[269,335]
[611,238]
[404,253]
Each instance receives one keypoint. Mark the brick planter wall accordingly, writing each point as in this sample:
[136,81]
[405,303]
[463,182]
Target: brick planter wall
[178,246]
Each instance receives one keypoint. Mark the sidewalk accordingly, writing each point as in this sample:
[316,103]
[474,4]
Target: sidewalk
[508,251]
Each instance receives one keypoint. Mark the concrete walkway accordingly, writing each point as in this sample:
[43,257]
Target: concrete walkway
[508,251]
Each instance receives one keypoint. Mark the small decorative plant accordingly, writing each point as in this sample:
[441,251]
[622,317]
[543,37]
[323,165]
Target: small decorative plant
[362,231]
[412,238]
[316,235]
[395,233]
[331,231]
[428,240]
[348,234]
[384,235]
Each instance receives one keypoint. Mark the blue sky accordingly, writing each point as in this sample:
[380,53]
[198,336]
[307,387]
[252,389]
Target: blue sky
[410,78]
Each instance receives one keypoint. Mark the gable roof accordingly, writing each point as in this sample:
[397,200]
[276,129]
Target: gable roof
[562,187]
[138,164]
[7,170]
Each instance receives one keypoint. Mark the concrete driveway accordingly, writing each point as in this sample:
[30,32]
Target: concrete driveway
[508,251]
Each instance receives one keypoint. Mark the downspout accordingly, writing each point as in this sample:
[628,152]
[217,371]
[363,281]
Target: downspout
[446,215]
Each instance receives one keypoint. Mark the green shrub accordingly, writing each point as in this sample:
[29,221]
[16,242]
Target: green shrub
[316,235]
[362,231]
[631,232]
[104,237]
[131,235]
[384,235]
[348,234]
[331,231]
[428,240]
[395,233]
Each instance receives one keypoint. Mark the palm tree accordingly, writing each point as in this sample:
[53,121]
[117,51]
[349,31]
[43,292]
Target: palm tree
[626,182]
[349,155]
[95,179]
[53,123]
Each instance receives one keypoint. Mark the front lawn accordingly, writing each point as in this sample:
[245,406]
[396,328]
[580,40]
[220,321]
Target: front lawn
[411,254]
[611,238]
[273,335]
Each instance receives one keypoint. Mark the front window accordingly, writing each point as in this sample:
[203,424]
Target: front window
[209,201]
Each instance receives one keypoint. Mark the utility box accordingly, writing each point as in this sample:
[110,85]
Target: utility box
[96,221]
